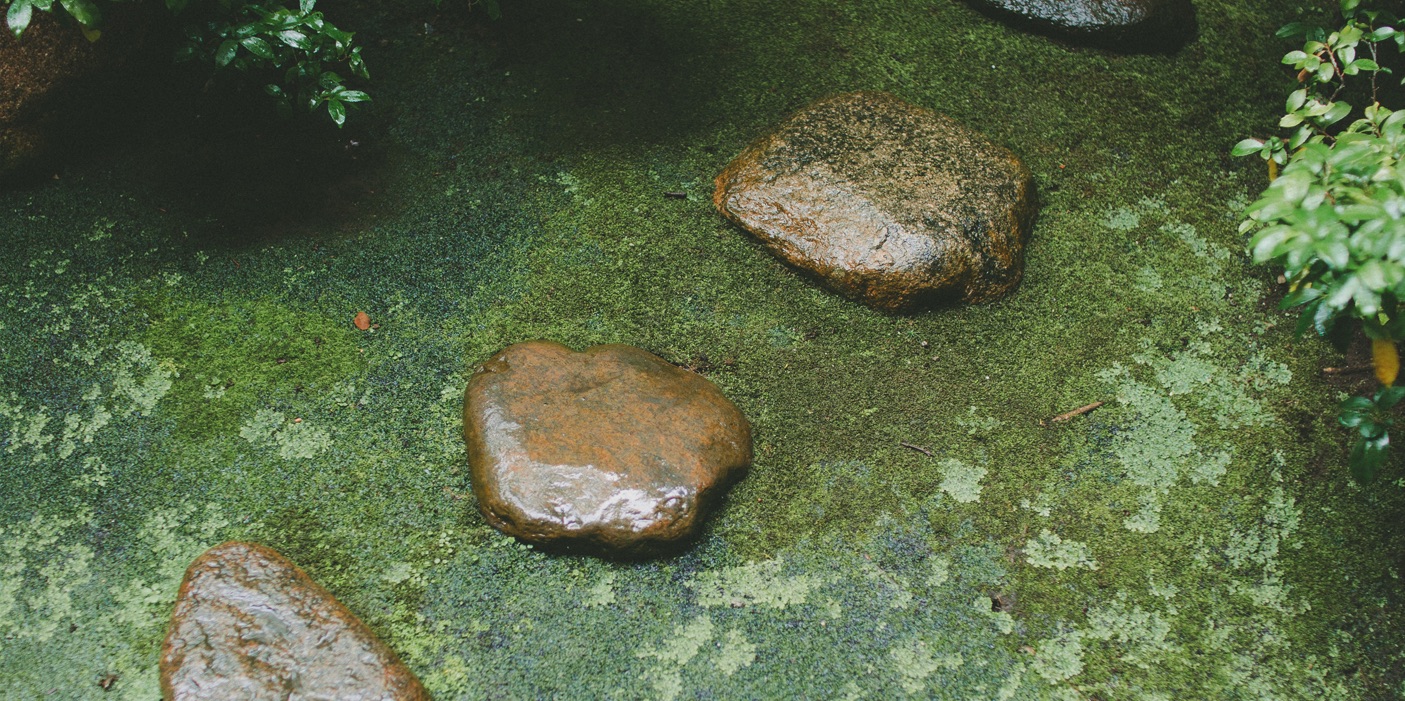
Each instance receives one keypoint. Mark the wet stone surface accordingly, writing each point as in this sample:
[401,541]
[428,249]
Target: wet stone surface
[249,625]
[611,450]
[887,203]
[1129,25]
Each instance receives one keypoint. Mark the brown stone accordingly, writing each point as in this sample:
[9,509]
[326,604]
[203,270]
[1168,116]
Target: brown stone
[887,203]
[611,449]
[249,625]
[1130,25]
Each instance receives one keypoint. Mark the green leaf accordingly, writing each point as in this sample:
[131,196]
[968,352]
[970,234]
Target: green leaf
[1338,112]
[226,52]
[1367,456]
[337,110]
[306,5]
[295,39]
[258,47]
[1302,295]
[353,96]
[1246,147]
[1372,275]
[18,16]
[358,65]
[1390,396]
[84,11]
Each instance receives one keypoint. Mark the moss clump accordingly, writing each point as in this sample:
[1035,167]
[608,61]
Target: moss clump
[235,356]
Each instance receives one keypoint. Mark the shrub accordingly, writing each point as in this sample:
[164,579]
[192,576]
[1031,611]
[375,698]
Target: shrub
[295,46]
[1334,217]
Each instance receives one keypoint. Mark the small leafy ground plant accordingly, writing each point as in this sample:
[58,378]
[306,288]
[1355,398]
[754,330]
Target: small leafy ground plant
[295,49]
[1333,215]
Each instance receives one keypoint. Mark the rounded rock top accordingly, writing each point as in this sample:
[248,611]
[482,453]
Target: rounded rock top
[250,625]
[885,202]
[609,449]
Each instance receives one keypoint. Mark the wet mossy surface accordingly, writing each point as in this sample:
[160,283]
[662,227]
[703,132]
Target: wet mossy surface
[1196,537]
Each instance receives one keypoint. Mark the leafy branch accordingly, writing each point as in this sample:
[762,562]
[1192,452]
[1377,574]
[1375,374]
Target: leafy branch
[1334,218]
[295,44]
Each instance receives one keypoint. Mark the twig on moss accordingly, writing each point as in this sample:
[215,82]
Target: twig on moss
[918,448]
[1076,412]
[1347,369]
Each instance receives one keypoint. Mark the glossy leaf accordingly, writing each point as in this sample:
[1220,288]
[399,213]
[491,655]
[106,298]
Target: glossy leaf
[17,18]
[85,11]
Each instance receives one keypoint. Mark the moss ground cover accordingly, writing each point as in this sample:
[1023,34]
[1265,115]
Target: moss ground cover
[180,368]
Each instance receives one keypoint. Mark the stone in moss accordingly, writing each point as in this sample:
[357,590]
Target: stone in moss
[250,625]
[885,202]
[611,448]
[1129,25]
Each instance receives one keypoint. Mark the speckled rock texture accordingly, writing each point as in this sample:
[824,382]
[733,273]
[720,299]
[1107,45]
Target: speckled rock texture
[249,626]
[887,203]
[1129,25]
[611,449]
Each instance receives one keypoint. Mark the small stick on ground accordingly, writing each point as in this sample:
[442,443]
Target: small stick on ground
[1347,369]
[918,448]
[676,195]
[1076,412]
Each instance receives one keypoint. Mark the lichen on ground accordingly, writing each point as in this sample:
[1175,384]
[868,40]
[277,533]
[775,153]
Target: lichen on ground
[180,368]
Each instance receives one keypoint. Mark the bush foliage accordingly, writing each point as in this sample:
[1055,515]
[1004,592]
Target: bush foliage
[1334,218]
[296,48]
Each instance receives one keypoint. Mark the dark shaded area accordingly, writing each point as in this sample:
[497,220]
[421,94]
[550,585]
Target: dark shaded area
[605,73]
[210,150]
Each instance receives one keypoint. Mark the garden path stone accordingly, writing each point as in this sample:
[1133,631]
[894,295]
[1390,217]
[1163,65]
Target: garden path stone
[885,202]
[1130,25]
[610,450]
[249,625]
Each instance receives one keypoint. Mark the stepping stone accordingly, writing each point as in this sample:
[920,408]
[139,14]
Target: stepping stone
[1129,25]
[884,202]
[249,626]
[611,450]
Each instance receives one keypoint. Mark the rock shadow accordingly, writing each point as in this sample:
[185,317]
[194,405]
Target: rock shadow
[605,74]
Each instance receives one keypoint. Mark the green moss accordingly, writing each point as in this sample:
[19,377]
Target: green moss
[520,193]
[234,357]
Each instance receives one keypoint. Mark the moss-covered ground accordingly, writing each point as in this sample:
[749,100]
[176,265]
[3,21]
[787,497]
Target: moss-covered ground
[178,367]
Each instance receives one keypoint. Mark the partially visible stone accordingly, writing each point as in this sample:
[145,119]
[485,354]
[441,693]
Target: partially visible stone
[885,202]
[249,626]
[1129,25]
[611,449]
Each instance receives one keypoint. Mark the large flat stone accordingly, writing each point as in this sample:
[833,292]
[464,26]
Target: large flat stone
[887,203]
[1128,25]
[610,449]
[251,626]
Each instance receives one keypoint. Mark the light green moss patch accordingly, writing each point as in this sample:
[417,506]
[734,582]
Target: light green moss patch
[1049,550]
